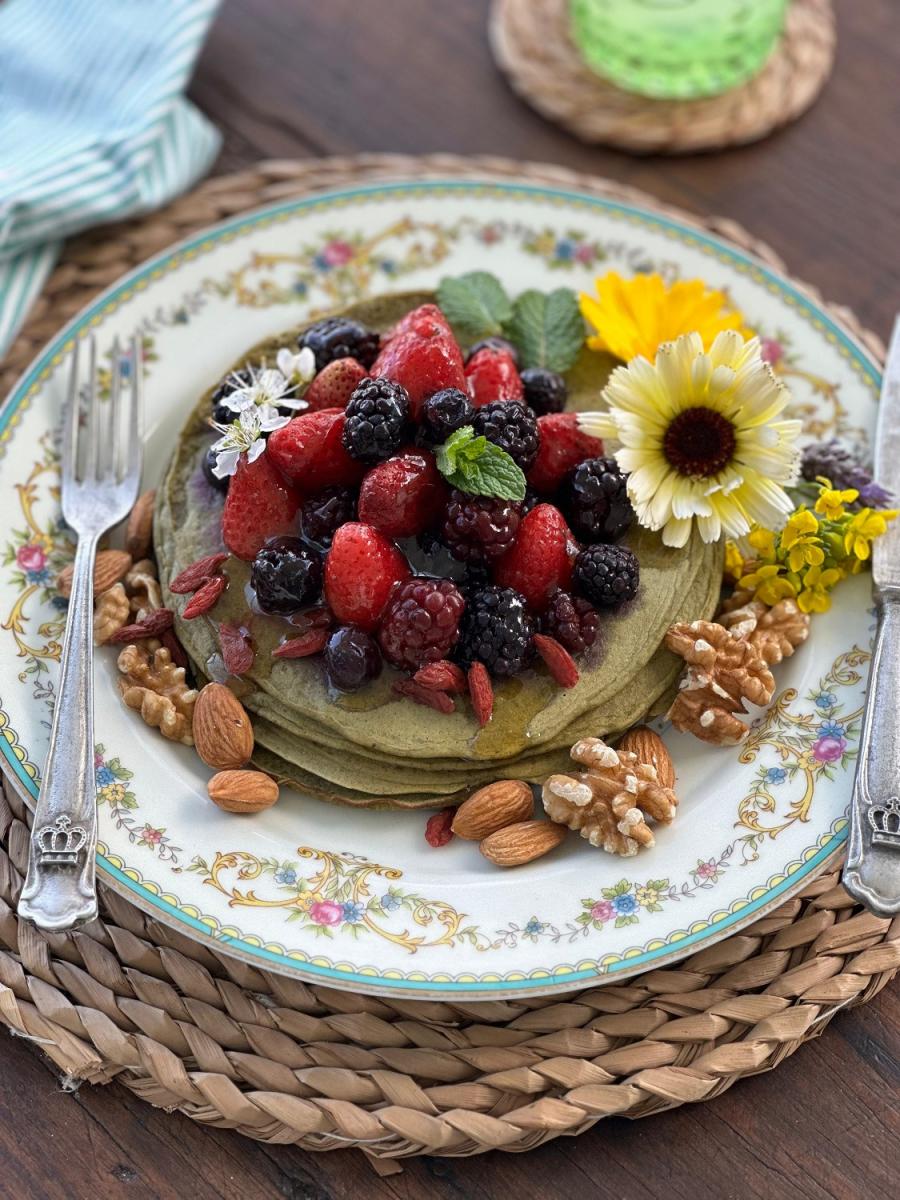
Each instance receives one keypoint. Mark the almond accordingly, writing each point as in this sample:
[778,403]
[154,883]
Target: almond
[651,750]
[242,791]
[222,731]
[139,530]
[491,808]
[522,842]
[109,567]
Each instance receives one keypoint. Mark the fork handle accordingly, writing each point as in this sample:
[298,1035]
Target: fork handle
[60,887]
[872,871]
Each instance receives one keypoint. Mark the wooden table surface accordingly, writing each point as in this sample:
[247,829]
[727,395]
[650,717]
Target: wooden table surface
[296,78]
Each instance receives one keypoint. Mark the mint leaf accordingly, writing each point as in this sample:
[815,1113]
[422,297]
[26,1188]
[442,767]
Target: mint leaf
[475,465]
[475,304]
[547,329]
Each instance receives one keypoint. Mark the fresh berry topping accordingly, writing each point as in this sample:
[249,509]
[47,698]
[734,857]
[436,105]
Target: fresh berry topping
[494,343]
[421,622]
[558,660]
[402,496]
[438,831]
[496,630]
[477,528]
[286,576]
[423,365]
[237,649]
[442,676]
[259,505]
[377,418]
[205,598]
[196,573]
[309,452]
[323,514]
[512,427]
[231,383]
[532,500]
[572,621]
[563,446]
[352,659]
[491,375]
[210,459]
[334,385]
[339,337]
[481,693]
[539,562]
[595,501]
[426,321]
[427,697]
[545,391]
[444,413]
[303,646]
[606,575]
[361,569]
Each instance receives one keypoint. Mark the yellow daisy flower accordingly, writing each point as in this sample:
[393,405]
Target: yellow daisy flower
[831,502]
[635,316]
[701,439]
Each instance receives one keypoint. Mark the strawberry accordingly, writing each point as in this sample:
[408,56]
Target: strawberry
[259,505]
[361,569]
[491,375]
[403,495]
[539,560]
[424,365]
[334,384]
[563,446]
[427,321]
[309,453]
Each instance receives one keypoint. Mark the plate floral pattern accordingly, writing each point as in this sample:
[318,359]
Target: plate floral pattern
[293,891]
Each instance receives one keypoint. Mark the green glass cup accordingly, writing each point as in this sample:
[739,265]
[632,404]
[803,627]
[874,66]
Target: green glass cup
[677,49]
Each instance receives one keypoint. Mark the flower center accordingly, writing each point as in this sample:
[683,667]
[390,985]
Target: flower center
[699,442]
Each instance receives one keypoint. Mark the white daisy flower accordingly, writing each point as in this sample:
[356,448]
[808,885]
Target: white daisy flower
[244,436]
[298,368]
[267,386]
[700,439]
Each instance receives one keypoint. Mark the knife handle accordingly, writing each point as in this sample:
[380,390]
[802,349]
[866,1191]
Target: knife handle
[872,870]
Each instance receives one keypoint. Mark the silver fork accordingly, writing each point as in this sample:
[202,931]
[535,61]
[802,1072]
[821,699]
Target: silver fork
[60,888]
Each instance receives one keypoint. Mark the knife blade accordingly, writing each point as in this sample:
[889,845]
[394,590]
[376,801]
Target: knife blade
[886,550]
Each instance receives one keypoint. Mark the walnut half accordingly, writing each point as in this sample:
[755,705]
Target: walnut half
[111,611]
[157,689]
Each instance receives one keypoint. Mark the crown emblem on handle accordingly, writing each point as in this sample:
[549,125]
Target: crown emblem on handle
[885,821]
[60,843]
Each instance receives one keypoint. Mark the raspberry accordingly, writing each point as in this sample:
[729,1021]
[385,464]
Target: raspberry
[309,452]
[322,515]
[595,501]
[545,391]
[403,495]
[421,622]
[478,528]
[606,575]
[572,621]
[286,576]
[361,569]
[340,337]
[334,385]
[491,375]
[377,416]
[540,560]
[352,659]
[497,631]
[563,446]
[444,413]
[512,427]
[494,343]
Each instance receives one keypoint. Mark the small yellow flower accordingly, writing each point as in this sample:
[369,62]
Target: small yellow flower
[646,896]
[798,525]
[763,540]
[831,502]
[864,528]
[798,538]
[636,316]
[816,587]
[112,793]
[734,562]
[768,584]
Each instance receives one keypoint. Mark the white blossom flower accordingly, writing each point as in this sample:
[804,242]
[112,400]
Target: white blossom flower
[267,386]
[244,436]
[298,368]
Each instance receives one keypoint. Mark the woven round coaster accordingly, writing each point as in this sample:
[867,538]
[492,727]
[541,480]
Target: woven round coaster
[185,1026]
[533,46]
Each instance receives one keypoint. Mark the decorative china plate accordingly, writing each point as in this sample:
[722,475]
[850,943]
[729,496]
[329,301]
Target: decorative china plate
[357,898]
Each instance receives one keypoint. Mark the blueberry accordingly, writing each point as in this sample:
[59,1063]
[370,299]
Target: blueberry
[352,659]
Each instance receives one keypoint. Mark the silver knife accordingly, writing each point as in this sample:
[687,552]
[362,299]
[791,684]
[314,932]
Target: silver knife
[872,870]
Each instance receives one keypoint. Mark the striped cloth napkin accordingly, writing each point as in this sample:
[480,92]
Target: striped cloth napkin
[93,125]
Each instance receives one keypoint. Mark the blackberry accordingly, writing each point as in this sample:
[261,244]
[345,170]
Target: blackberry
[496,630]
[444,413]
[340,337]
[545,391]
[421,623]
[532,499]
[352,659]
[221,413]
[377,415]
[495,343]
[323,514]
[286,576]
[572,621]
[606,575]
[476,529]
[209,461]
[842,469]
[512,427]
[595,501]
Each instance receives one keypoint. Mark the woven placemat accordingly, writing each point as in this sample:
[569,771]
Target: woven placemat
[533,46]
[187,1027]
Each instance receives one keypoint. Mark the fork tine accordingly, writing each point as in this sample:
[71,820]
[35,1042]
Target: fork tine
[133,448]
[92,431]
[115,398]
[73,411]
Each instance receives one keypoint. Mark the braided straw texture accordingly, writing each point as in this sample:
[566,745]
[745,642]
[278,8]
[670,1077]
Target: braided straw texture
[533,46]
[186,1027]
